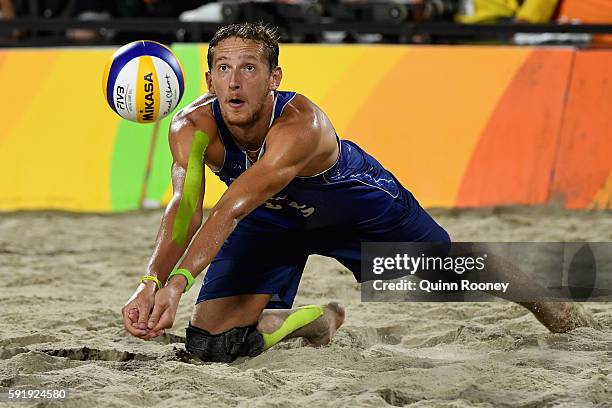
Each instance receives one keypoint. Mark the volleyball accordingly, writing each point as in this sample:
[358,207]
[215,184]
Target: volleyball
[143,82]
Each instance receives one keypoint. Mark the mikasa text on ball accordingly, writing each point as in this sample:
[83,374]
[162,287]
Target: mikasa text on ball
[143,82]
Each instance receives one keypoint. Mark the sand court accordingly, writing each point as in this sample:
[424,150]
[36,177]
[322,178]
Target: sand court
[66,276]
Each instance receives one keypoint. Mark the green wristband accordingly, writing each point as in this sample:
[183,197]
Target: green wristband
[186,274]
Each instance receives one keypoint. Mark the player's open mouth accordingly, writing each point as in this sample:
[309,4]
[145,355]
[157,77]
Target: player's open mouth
[236,103]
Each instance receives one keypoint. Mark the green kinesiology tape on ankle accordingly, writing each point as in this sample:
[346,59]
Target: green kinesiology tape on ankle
[296,320]
[191,187]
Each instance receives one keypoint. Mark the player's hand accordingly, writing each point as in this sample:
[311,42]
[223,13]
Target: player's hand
[136,311]
[166,304]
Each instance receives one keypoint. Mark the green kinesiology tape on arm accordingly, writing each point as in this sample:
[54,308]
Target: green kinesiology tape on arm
[191,187]
[296,320]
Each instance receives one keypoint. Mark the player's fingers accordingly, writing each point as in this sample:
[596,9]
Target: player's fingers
[127,323]
[165,321]
[143,315]
[158,310]
[139,326]
[133,314]
[152,334]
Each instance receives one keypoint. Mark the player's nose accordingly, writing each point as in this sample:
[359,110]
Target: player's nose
[234,80]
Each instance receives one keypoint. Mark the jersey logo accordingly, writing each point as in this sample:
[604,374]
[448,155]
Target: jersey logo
[280,202]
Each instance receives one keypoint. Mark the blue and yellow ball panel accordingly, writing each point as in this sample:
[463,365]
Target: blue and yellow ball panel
[144,81]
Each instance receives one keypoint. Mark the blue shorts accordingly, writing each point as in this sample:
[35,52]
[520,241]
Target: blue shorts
[262,257]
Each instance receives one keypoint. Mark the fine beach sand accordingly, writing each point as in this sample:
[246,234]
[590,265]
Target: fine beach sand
[66,276]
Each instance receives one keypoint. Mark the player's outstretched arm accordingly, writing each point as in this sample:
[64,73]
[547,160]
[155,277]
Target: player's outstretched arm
[289,148]
[182,218]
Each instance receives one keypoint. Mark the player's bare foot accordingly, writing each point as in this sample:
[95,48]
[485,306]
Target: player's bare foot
[324,328]
[562,317]
[317,333]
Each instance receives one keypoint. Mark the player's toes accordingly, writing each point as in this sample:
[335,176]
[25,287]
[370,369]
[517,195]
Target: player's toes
[578,316]
[333,317]
[338,314]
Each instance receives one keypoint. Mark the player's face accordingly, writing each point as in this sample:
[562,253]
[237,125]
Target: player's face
[240,77]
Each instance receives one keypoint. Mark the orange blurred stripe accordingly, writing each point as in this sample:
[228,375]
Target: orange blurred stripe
[585,154]
[514,158]
[424,117]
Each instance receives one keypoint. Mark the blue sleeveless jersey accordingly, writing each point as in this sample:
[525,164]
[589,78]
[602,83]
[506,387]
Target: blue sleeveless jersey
[356,192]
[329,214]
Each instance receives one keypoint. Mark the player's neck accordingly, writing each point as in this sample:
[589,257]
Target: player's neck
[251,136]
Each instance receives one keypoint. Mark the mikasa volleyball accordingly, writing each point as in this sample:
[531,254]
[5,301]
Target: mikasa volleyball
[143,82]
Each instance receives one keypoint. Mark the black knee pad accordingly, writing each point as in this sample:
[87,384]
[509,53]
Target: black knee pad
[224,347]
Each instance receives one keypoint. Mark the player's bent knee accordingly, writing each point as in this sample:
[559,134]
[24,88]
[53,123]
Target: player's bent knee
[224,347]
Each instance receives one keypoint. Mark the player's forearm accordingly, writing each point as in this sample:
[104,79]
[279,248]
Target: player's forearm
[208,241]
[243,196]
[235,204]
[167,250]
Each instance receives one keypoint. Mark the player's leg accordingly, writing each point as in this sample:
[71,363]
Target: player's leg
[257,268]
[420,226]
[222,314]
[317,324]
[226,328]
[558,317]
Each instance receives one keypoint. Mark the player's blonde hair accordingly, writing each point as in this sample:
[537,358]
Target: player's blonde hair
[257,32]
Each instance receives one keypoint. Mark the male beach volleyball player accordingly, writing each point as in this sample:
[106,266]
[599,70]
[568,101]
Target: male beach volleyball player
[294,189]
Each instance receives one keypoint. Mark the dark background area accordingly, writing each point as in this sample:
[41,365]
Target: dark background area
[97,22]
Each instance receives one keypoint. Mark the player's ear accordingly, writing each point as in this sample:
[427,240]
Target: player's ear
[209,83]
[275,78]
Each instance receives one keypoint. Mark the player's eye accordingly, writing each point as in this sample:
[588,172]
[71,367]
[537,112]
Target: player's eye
[223,67]
[250,67]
